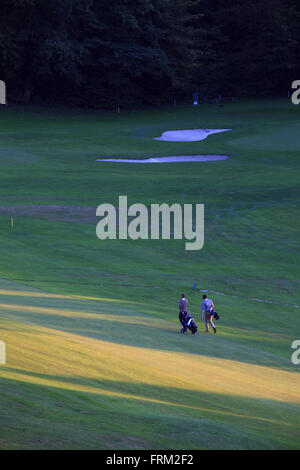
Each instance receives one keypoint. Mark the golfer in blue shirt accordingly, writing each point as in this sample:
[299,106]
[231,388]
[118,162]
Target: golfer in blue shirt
[207,310]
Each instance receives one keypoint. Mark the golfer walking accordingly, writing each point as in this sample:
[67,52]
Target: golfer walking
[207,310]
[183,312]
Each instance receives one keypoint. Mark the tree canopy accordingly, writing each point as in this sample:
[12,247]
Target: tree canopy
[136,52]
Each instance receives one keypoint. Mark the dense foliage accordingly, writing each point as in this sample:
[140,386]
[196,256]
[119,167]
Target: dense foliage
[135,52]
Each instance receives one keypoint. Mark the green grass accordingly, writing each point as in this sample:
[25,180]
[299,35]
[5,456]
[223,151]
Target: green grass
[93,355]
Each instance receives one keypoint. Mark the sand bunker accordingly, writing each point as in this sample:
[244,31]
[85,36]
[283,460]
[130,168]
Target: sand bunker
[191,158]
[191,135]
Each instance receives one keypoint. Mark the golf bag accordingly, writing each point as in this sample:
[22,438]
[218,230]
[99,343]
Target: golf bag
[215,315]
[190,324]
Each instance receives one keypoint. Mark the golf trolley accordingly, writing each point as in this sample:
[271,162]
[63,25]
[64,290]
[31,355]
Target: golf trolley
[190,324]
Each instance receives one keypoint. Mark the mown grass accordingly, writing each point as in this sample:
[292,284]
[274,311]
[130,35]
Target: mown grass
[93,355]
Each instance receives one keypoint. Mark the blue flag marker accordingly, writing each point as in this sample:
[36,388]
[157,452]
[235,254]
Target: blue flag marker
[195,286]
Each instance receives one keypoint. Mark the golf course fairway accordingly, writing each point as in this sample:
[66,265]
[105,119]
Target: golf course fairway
[93,355]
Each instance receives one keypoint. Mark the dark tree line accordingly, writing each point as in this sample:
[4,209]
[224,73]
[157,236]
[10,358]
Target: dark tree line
[130,52]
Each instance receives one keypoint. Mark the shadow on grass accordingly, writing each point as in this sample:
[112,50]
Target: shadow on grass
[119,415]
[145,331]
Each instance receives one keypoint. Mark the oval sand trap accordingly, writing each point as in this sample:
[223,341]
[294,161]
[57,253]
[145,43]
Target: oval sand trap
[190,135]
[185,158]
